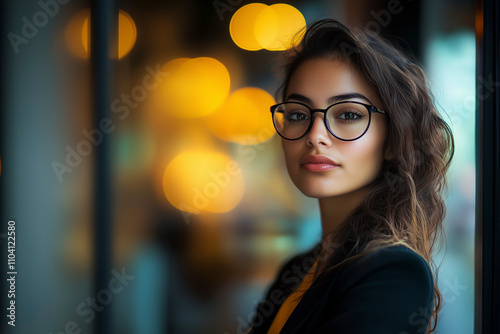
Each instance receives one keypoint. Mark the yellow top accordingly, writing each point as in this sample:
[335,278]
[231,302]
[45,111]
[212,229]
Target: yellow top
[291,302]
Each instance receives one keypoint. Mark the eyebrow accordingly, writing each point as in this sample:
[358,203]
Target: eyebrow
[331,100]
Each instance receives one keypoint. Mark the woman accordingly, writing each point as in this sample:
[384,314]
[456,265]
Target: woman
[360,133]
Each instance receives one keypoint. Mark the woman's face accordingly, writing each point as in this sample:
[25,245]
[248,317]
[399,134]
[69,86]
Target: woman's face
[315,82]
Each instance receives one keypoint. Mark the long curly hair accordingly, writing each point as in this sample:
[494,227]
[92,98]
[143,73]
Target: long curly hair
[405,204]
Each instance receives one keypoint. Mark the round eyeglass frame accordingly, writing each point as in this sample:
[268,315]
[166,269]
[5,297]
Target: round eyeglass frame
[371,109]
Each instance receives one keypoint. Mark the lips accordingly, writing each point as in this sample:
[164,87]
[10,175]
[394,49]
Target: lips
[318,163]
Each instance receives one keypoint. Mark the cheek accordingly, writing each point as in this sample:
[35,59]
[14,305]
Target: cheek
[364,157]
[363,154]
[289,149]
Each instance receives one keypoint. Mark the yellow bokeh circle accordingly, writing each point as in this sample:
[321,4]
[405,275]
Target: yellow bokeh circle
[127,34]
[242,25]
[194,87]
[278,27]
[203,181]
[78,34]
[256,26]
[244,118]
[74,31]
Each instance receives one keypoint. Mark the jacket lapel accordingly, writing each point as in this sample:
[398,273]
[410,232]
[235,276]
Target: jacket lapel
[314,299]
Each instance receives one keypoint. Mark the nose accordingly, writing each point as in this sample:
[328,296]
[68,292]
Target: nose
[319,134]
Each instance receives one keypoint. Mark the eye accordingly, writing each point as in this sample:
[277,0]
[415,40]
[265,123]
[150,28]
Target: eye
[350,115]
[347,114]
[296,115]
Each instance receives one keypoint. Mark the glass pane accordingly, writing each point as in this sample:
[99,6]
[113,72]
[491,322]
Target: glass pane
[450,59]
[204,212]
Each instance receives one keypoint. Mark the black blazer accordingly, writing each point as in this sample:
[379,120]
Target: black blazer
[389,291]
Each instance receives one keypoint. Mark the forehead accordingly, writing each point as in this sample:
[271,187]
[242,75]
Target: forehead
[320,79]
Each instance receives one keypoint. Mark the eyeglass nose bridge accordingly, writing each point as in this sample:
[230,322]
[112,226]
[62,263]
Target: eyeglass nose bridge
[325,121]
[371,109]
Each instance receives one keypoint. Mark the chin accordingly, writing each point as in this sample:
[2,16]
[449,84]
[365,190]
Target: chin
[319,191]
[319,194]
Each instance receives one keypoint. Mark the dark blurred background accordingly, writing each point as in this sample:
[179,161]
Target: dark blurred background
[202,210]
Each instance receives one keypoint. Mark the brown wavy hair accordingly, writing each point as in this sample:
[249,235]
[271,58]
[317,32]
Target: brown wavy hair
[405,204]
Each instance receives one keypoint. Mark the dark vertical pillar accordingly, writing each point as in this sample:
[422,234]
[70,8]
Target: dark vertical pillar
[103,32]
[487,276]
[403,25]
[399,21]
[3,137]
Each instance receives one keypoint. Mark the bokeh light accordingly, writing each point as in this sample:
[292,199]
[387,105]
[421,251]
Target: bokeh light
[78,34]
[244,118]
[257,26]
[278,26]
[127,34]
[74,34]
[194,87]
[203,181]
[241,26]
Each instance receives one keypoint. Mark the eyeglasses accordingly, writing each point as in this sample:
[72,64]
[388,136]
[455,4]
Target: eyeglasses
[346,120]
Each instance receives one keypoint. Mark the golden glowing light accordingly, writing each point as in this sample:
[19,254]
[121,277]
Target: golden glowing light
[257,26]
[74,32]
[127,34]
[86,36]
[78,34]
[244,118]
[242,25]
[203,181]
[278,26]
[194,87]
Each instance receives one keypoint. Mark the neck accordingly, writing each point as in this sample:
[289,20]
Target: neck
[335,210]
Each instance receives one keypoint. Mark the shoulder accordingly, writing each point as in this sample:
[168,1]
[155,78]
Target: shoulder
[391,289]
[394,275]
[396,259]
